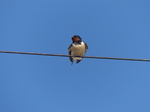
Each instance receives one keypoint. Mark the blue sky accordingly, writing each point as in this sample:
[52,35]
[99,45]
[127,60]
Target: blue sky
[50,84]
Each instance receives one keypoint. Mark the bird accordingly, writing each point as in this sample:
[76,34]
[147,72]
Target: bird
[77,48]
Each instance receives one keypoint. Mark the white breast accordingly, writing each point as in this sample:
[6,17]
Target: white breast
[78,50]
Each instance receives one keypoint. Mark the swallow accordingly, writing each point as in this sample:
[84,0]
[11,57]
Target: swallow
[77,48]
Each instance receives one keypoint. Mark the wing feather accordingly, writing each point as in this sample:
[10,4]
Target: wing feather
[86,47]
[69,52]
[69,48]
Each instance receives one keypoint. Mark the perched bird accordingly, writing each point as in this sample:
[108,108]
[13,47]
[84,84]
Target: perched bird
[77,48]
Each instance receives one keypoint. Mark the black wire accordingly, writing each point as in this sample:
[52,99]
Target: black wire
[95,57]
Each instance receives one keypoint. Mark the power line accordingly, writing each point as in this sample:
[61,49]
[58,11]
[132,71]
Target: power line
[95,57]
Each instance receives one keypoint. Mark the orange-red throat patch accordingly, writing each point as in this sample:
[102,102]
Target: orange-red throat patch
[75,39]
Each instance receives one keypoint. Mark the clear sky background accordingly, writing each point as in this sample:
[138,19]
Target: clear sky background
[111,28]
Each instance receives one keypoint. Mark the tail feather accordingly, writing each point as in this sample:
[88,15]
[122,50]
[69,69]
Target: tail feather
[78,61]
[72,63]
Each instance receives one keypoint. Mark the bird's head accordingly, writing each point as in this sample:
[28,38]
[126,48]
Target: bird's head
[76,38]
